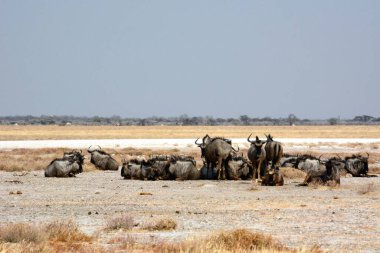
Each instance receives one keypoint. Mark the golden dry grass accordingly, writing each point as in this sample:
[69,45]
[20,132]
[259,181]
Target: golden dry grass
[163,224]
[157,132]
[240,240]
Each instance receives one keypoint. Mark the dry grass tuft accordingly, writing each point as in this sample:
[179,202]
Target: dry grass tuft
[21,232]
[121,221]
[365,189]
[65,231]
[57,231]
[164,224]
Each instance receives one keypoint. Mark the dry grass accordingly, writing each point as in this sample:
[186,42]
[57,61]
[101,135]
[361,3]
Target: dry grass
[152,132]
[57,231]
[65,231]
[240,240]
[163,224]
[21,232]
[121,221]
[65,237]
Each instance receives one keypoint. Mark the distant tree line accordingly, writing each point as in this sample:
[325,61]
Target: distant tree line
[183,120]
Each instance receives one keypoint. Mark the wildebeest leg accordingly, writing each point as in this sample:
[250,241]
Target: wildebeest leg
[305,181]
[219,168]
[259,172]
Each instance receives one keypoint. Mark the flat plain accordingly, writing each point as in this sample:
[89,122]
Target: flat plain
[181,132]
[335,219]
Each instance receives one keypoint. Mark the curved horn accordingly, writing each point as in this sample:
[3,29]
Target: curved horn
[197,143]
[249,140]
[319,159]
[203,139]
[235,149]
[99,146]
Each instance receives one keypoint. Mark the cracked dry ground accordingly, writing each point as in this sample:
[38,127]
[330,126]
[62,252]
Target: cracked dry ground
[345,218]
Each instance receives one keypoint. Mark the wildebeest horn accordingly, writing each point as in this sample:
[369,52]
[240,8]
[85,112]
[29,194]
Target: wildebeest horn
[249,137]
[197,143]
[320,157]
[203,139]
[235,149]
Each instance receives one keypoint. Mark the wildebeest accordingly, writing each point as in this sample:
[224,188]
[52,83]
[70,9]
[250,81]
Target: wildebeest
[318,172]
[273,150]
[183,168]
[357,165]
[68,166]
[239,168]
[137,168]
[102,160]
[288,160]
[216,152]
[272,176]
[257,155]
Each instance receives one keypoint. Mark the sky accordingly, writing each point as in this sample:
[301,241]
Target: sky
[315,59]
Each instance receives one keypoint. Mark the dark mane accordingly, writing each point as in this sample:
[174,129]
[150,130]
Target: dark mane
[221,138]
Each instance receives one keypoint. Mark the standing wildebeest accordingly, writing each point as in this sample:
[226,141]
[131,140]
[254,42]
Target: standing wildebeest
[272,176]
[102,160]
[257,154]
[239,168]
[317,171]
[357,165]
[216,152]
[274,151]
[67,166]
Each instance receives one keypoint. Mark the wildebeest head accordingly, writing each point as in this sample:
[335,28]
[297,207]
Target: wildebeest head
[205,140]
[256,143]
[75,155]
[269,137]
[93,148]
[357,165]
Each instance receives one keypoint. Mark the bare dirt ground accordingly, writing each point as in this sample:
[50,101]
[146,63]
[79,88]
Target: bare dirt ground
[345,218]
[339,219]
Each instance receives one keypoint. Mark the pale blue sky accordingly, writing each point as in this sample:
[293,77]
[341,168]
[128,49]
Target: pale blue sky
[316,59]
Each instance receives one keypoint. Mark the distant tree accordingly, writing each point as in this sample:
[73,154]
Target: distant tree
[333,121]
[363,118]
[292,119]
[244,119]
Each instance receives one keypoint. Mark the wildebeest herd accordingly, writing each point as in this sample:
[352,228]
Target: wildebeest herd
[220,161]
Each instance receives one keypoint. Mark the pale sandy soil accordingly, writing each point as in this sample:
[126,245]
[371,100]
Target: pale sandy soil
[341,219]
[338,219]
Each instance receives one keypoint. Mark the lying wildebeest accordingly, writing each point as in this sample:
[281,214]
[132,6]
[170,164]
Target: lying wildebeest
[67,166]
[272,176]
[239,168]
[102,160]
[318,172]
[273,150]
[216,152]
[138,168]
[288,160]
[183,168]
[357,165]
[257,155]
